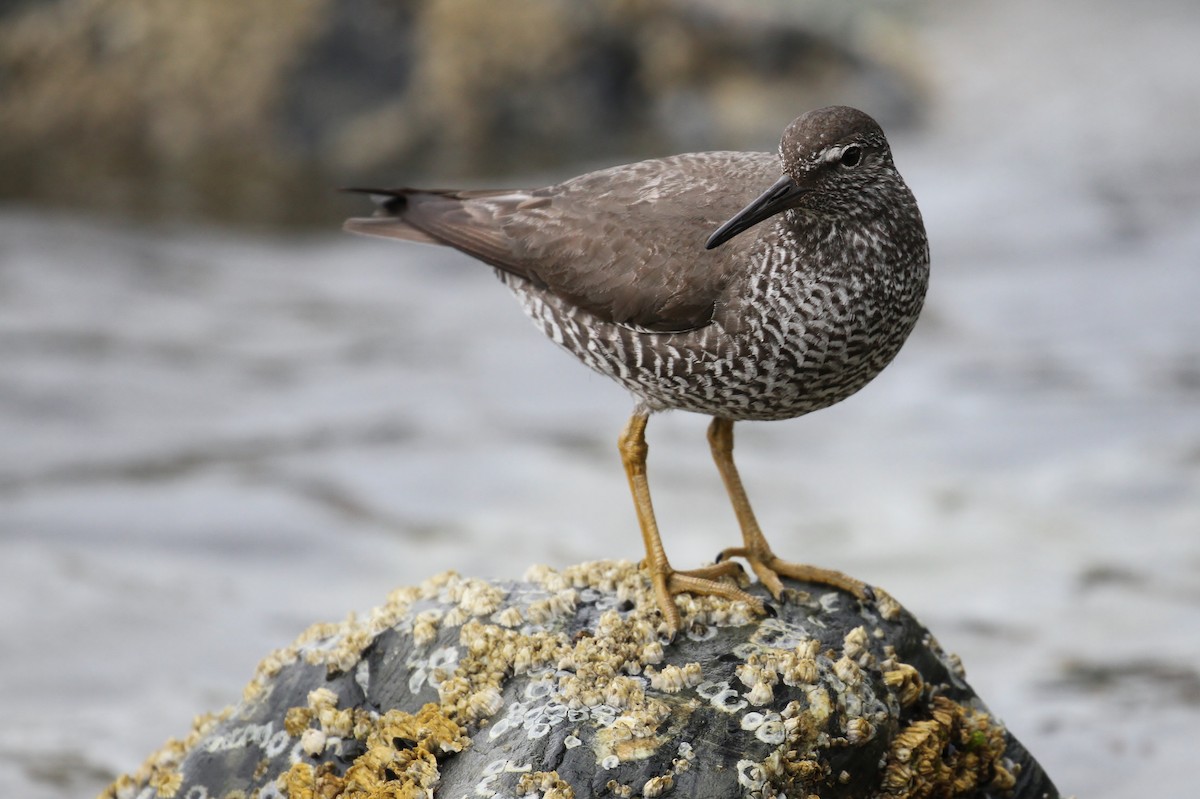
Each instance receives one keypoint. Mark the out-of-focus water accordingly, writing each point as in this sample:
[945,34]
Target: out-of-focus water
[211,440]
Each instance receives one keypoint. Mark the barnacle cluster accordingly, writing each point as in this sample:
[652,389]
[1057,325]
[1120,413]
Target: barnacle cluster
[161,770]
[578,657]
[953,752]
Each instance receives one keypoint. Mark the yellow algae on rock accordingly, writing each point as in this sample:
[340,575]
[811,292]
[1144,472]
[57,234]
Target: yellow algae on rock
[492,653]
[954,752]
[338,646]
[905,681]
[161,769]
[400,761]
[296,720]
[790,706]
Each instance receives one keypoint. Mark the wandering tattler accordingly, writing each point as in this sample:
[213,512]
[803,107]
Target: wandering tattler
[616,268]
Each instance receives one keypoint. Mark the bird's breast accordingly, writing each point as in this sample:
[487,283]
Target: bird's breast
[789,336]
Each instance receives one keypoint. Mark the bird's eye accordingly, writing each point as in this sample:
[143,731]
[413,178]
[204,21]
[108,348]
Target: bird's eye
[851,156]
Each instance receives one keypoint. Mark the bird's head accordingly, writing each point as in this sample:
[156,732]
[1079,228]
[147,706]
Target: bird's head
[835,160]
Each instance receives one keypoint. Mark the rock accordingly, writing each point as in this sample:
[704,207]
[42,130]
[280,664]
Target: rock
[254,112]
[562,685]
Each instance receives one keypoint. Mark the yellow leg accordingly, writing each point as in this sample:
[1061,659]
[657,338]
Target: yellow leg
[756,550]
[666,581]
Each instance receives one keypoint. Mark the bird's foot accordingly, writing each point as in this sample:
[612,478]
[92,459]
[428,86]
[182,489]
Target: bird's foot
[711,581]
[770,568]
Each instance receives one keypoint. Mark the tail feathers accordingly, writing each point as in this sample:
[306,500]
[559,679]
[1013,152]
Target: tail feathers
[387,222]
[467,220]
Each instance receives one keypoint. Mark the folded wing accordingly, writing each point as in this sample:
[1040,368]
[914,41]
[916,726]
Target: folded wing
[625,244]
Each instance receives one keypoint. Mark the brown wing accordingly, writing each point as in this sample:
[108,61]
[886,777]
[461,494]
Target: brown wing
[626,244]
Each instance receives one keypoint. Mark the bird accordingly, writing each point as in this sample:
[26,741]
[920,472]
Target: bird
[745,286]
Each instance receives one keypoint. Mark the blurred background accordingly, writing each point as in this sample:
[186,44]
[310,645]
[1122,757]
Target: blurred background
[221,419]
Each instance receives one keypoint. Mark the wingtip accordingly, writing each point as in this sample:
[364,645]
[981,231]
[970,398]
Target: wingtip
[370,190]
[387,201]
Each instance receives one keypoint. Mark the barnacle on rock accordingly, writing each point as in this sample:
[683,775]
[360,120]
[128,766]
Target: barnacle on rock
[952,753]
[784,707]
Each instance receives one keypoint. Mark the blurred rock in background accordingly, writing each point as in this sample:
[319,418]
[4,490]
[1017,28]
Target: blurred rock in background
[253,111]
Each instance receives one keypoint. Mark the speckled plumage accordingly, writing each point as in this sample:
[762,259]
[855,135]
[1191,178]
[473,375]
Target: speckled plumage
[681,281]
[780,321]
